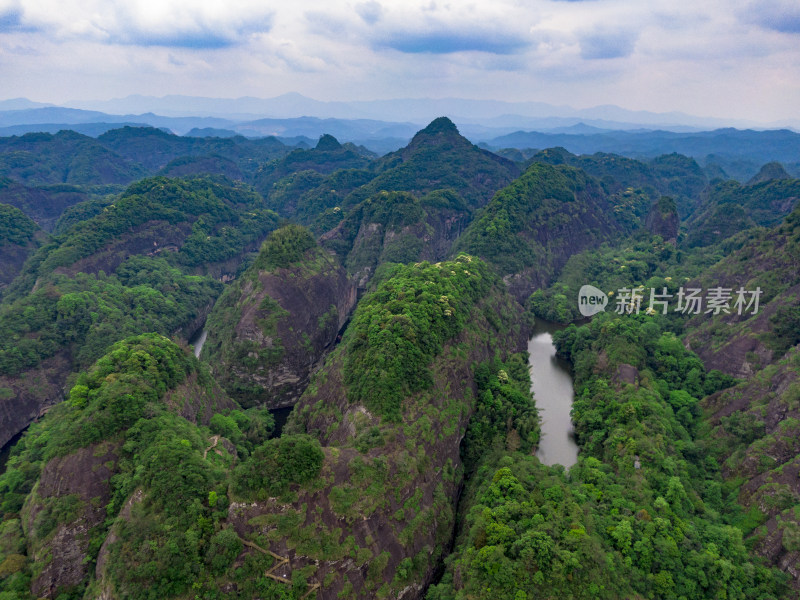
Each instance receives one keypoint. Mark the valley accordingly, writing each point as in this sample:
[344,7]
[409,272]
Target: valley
[248,368]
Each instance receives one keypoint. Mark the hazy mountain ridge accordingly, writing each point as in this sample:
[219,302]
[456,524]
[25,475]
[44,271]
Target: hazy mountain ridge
[425,392]
[386,125]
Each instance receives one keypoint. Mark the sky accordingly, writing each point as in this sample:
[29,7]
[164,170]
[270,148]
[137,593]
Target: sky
[737,59]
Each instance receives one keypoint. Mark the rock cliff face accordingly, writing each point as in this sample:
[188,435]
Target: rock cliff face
[742,344]
[756,427]
[271,328]
[397,227]
[377,519]
[28,396]
[73,480]
[531,228]
[663,219]
[79,480]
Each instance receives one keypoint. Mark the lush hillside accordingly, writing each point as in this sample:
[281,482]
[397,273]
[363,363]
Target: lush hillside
[328,156]
[741,344]
[632,185]
[195,223]
[397,227]
[389,409]
[730,207]
[121,490]
[18,240]
[642,514]
[66,157]
[46,203]
[439,158]
[154,148]
[150,261]
[272,326]
[314,199]
[754,438]
[407,467]
[530,228]
[744,150]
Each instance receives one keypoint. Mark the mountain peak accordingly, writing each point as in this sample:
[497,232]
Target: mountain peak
[441,125]
[327,142]
[770,171]
[438,131]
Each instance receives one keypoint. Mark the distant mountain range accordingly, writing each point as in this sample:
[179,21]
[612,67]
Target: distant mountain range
[491,113]
[386,125]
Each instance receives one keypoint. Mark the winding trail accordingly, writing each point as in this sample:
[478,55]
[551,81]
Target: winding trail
[215,440]
[280,561]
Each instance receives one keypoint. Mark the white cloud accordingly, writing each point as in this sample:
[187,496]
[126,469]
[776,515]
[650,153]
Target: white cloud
[659,55]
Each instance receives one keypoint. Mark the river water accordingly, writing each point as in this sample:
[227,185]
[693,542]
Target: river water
[551,383]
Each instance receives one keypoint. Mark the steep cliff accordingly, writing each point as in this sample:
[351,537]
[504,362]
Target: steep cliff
[397,227]
[119,434]
[740,343]
[272,326]
[389,410]
[530,228]
[663,219]
[755,428]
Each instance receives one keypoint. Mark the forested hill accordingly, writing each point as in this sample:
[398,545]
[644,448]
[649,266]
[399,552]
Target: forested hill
[438,157]
[385,303]
[19,237]
[149,261]
[529,229]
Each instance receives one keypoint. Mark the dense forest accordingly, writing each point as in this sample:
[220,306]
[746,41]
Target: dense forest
[384,303]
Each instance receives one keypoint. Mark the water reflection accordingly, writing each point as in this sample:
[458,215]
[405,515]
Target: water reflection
[551,383]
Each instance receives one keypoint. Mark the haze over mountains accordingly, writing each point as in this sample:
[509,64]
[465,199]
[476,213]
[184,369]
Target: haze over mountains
[386,125]
[387,300]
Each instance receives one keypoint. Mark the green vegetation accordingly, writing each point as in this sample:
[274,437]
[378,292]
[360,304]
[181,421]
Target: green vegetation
[15,227]
[268,319]
[640,515]
[640,260]
[438,158]
[398,329]
[732,207]
[284,247]
[168,493]
[277,464]
[505,415]
[313,199]
[546,214]
[87,313]
[151,482]
[65,157]
[327,157]
[223,218]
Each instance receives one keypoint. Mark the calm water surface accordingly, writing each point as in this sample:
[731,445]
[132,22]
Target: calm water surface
[551,383]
